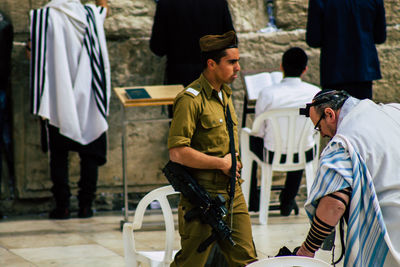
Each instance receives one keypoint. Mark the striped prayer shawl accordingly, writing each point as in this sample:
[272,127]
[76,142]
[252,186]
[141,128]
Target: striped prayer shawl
[70,70]
[39,26]
[92,45]
[341,167]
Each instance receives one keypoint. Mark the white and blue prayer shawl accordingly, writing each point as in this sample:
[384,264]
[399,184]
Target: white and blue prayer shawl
[365,245]
[79,101]
[341,166]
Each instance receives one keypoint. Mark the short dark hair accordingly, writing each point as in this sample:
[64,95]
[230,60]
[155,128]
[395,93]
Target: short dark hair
[329,99]
[294,62]
[215,55]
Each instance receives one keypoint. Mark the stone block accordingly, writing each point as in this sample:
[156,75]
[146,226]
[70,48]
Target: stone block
[291,14]
[386,89]
[128,18]
[392,12]
[248,15]
[18,12]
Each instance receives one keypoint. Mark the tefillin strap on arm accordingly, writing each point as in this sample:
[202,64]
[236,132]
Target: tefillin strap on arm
[229,123]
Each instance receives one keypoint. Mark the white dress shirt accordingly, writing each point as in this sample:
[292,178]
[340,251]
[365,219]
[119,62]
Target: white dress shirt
[289,93]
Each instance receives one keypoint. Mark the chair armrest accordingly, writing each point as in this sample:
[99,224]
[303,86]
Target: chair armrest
[246,130]
[129,245]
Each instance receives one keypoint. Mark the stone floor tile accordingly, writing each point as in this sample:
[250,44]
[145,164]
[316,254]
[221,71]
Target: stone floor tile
[37,255]
[42,239]
[109,261]
[27,226]
[9,259]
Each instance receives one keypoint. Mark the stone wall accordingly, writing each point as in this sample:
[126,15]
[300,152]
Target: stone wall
[128,29]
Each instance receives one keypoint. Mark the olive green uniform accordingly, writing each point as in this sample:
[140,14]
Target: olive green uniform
[199,122]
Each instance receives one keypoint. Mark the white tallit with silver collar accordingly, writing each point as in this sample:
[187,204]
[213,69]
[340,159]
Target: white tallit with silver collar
[70,70]
[364,154]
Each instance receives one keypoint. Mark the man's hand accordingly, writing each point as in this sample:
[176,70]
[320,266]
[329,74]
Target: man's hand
[102,3]
[305,252]
[227,164]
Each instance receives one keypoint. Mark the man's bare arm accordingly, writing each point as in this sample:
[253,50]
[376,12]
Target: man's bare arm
[329,210]
[190,157]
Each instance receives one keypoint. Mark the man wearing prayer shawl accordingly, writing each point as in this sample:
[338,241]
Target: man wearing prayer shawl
[358,178]
[70,89]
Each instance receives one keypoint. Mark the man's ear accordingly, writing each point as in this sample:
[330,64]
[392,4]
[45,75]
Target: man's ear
[304,71]
[211,63]
[330,115]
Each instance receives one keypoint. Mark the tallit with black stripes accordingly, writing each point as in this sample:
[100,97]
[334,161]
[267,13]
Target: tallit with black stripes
[70,70]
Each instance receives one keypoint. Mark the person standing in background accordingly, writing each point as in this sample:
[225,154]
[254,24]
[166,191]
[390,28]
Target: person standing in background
[347,31]
[70,89]
[178,26]
[6,43]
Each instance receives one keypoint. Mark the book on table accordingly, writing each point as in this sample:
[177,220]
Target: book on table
[137,93]
[148,94]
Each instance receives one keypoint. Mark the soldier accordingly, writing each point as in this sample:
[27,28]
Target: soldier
[199,140]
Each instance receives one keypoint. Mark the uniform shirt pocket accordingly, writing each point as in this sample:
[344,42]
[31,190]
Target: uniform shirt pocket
[211,133]
[211,121]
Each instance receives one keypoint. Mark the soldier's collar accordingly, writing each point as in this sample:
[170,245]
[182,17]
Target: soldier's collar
[209,89]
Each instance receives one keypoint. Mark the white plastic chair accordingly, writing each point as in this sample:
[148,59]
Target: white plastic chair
[300,147]
[289,261]
[150,258]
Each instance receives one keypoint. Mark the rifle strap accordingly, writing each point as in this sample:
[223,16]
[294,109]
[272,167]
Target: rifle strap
[229,123]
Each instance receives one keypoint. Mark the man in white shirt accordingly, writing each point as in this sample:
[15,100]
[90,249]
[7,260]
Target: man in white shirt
[289,93]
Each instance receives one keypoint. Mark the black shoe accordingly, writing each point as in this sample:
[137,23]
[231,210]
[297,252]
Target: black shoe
[60,214]
[286,209]
[85,212]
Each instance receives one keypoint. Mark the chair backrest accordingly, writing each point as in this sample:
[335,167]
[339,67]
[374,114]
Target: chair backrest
[294,145]
[159,194]
[289,261]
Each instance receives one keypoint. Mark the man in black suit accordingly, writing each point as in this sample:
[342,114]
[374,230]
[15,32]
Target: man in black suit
[347,31]
[178,26]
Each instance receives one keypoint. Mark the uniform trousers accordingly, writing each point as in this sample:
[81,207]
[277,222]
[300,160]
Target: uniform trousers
[193,233]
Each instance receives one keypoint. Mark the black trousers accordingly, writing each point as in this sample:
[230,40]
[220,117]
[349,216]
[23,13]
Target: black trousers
[292,182]
[90,160]
[360,90]
[288,193]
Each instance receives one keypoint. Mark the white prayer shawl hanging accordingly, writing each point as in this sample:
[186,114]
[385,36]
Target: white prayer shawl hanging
[70,71]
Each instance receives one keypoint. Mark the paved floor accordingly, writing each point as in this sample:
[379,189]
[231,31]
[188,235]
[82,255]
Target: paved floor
[37,241]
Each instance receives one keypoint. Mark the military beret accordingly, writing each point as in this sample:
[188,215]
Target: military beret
[218,42]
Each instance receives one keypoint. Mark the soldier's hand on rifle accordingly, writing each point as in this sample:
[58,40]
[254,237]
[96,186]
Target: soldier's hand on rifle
[227,165]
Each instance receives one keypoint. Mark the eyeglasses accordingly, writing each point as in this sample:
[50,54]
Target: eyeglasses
[317,128]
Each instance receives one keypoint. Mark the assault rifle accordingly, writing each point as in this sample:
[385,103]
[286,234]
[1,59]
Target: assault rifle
[207,210]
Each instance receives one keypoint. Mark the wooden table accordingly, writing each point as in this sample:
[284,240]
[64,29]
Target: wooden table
[160,95]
